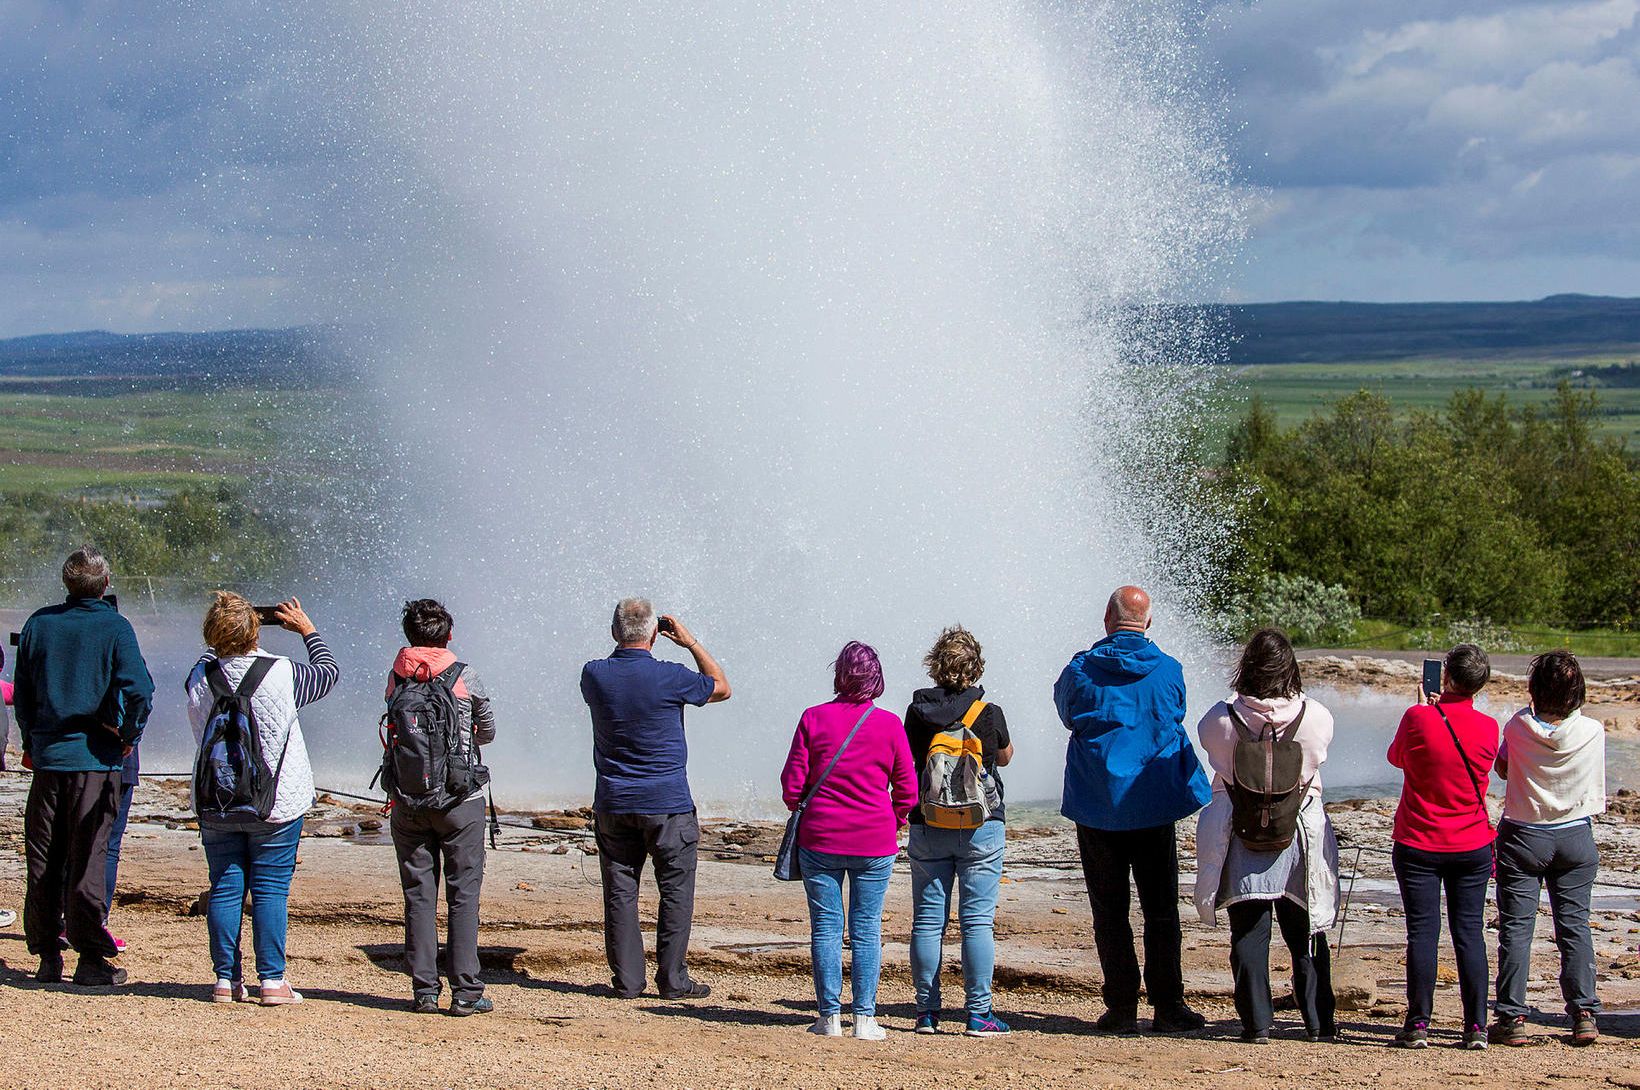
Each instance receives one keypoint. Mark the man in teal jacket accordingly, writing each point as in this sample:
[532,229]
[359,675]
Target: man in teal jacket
[1130,774]
[82,698]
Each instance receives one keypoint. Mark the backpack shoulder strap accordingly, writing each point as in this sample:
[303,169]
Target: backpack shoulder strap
[253,677]
[972,716]
[1242,729]
[1291,730]
[217,678]
[450,674]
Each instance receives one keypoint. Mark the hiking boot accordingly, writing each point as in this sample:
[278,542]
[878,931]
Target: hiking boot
[461,1008]
[928,1022]
[1474,1039]
[986,1025]
[94,972]
[1256,1036]
[50,970]
[1509,1031]
[1124,1022]
[1584,1030]
[424,1004]
[695,990]
[1413,1035]
[1179,1019]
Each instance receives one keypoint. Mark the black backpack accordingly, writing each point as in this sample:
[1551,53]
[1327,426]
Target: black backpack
[1265,792]
[233,784]
[425,765]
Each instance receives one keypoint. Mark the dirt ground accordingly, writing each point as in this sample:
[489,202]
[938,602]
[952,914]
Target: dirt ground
[554,1024]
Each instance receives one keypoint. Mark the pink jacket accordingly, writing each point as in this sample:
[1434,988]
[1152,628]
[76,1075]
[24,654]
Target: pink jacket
[866,798]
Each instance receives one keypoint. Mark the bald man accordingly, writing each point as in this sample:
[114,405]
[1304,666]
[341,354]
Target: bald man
[1130,775]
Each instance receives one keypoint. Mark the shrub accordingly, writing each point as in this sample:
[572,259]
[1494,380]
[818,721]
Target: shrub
[1309,611]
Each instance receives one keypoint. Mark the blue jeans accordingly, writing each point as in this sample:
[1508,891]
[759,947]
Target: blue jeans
[867,885]
[264,861]
[115,836]
[971,861]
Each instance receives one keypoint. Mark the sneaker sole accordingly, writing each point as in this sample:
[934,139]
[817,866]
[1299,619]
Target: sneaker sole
[1412,1044]
[926,1030]
[986,1032]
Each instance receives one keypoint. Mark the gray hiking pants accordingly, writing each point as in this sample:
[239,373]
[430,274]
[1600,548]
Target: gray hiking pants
[625,841]
[427,841]
[1565,860]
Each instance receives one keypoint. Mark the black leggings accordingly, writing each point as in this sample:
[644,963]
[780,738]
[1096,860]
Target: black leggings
[1250,965]
[1464,875]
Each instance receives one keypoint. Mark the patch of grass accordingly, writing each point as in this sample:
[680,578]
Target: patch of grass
[155,440]
[1517,639]
[1294,391]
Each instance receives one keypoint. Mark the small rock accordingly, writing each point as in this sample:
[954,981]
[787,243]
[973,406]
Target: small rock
[1355,984]
[525,886]
[371,825]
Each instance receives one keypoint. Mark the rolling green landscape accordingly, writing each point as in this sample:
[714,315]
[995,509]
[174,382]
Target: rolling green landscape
[1346,425]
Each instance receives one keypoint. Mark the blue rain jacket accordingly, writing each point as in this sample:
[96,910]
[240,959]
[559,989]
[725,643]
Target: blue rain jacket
[1129,764]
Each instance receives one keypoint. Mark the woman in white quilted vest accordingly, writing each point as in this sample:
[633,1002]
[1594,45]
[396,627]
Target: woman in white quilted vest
[253,846]
[1253,881]
[1553,762]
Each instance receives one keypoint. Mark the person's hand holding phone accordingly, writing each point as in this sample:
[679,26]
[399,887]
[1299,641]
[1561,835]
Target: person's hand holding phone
[1429,690]
[291,615]
[674,630]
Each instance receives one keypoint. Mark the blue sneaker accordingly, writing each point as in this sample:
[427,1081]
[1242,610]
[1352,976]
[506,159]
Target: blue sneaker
[928,1021]
[986,1025]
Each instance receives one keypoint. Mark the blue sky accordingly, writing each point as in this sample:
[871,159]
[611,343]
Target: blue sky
[155,174]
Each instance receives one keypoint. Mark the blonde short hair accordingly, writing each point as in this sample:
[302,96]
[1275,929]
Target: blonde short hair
[231,624]
[955,662]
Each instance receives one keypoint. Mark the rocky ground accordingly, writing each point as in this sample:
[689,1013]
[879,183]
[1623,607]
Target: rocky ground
[554,1025]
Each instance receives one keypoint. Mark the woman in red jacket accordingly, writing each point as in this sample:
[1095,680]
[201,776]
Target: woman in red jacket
[1443,839]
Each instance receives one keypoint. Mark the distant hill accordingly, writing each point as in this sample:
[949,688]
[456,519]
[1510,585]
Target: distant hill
[1561,325]
[98,362]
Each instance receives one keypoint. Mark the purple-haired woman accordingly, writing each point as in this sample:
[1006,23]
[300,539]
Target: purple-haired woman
[851,828]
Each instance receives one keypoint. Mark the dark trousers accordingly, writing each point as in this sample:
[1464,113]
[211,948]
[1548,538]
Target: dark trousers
[624,842]
[1567,860]
[65,828]
[1464,875]
[1250,965]
[428,841]
[1151,857]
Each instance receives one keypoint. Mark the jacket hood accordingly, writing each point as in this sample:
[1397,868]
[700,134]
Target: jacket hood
[1124,654]
[422,662]
[1256,710]
[942,707]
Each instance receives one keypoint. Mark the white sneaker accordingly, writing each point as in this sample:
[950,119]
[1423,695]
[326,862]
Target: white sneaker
[7,917]
[827,1025]
[867,1029]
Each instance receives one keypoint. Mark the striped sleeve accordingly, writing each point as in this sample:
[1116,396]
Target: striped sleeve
[319,674]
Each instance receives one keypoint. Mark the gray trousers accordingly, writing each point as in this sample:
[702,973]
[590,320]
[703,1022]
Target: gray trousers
[1567,860]
[624,842]
[426,842]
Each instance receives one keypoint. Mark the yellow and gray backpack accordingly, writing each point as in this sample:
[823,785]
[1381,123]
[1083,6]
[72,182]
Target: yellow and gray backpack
[957,790]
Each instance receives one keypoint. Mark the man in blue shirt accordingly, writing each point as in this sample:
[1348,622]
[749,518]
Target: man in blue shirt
[82,698]
[641,804]
[1130,774]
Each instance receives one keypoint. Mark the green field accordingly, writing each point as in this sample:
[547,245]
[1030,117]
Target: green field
[154,443]
[1295,391]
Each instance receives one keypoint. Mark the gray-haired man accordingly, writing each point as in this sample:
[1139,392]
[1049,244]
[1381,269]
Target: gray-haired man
[642,804]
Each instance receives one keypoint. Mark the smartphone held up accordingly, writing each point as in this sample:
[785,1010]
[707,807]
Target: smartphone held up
[1432,677]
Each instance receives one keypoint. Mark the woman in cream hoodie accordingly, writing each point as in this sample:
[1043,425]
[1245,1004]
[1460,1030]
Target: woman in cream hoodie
[1298,885]
[1553,760]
